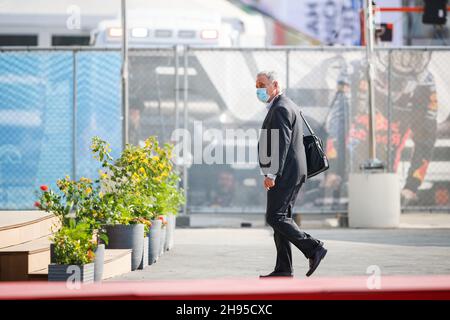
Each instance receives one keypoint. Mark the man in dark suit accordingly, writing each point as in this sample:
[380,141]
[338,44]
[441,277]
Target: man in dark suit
[283,162]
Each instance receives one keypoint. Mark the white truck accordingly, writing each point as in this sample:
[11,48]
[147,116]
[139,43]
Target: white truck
[209,23]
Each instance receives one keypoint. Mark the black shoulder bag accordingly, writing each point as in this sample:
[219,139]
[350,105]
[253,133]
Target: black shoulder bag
[316,158]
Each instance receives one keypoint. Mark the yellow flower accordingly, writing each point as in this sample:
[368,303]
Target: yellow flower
[135,177]
[100,194]
[156,158]
[102,174]
[141,170]
[88,190]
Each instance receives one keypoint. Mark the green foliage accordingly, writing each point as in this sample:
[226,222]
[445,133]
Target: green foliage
[139,186]
[76,201]
[74,244]
[163,178]
[80,219]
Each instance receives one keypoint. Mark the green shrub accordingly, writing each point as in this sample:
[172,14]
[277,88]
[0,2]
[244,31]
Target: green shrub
[141,185]
[74,244]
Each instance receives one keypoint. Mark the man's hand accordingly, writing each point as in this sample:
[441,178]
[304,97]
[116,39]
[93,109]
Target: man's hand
[268,183]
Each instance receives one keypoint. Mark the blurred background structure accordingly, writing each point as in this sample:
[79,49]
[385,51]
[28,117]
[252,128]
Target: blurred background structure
[194,62]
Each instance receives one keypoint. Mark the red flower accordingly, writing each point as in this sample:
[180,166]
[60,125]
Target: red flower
[91,255]
[44,188]
[37,204]
[162,218]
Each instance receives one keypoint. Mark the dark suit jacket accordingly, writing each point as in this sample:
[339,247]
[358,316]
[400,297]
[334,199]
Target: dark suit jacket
[284,115]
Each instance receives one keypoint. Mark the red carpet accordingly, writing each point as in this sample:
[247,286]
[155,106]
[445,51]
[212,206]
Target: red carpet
[398,287]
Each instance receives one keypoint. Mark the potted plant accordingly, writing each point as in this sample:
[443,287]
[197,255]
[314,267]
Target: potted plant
[168,196]
[171,222]
[74,254]
[154,239]
[99,259]
[162,243]
[135,188]
[145,256]
[155,165]
[76,203]
[144,262]
[121,196]
[124,231]
[174,199]
[127,236]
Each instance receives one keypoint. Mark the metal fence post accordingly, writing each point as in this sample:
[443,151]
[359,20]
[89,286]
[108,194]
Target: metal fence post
[124,73]
[185,126]
[177,88]
[389,106]
[74,115]
[287,69]
[369,36]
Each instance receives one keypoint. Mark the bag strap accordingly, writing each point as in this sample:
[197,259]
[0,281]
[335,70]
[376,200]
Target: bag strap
[307,124]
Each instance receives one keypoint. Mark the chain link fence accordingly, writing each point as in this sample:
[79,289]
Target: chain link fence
[151,94]
[53,102]
[412,121]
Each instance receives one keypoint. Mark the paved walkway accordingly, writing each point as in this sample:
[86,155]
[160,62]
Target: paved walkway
[316,221]
[246,252]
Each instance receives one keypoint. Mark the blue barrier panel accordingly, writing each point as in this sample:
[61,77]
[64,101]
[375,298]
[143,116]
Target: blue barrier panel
[99,110]
[36,118]
[35,123]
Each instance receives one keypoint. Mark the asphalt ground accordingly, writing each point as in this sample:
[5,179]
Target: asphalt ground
[229,252]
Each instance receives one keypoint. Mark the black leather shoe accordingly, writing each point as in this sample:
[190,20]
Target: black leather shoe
[277,274]
[315,260]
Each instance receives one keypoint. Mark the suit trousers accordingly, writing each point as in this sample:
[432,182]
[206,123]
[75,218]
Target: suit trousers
[280,202]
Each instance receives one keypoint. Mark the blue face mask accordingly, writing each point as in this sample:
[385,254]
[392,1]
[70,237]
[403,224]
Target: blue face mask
[262,95]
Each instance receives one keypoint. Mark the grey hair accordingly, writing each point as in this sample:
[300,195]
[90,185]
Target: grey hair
[271,75]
